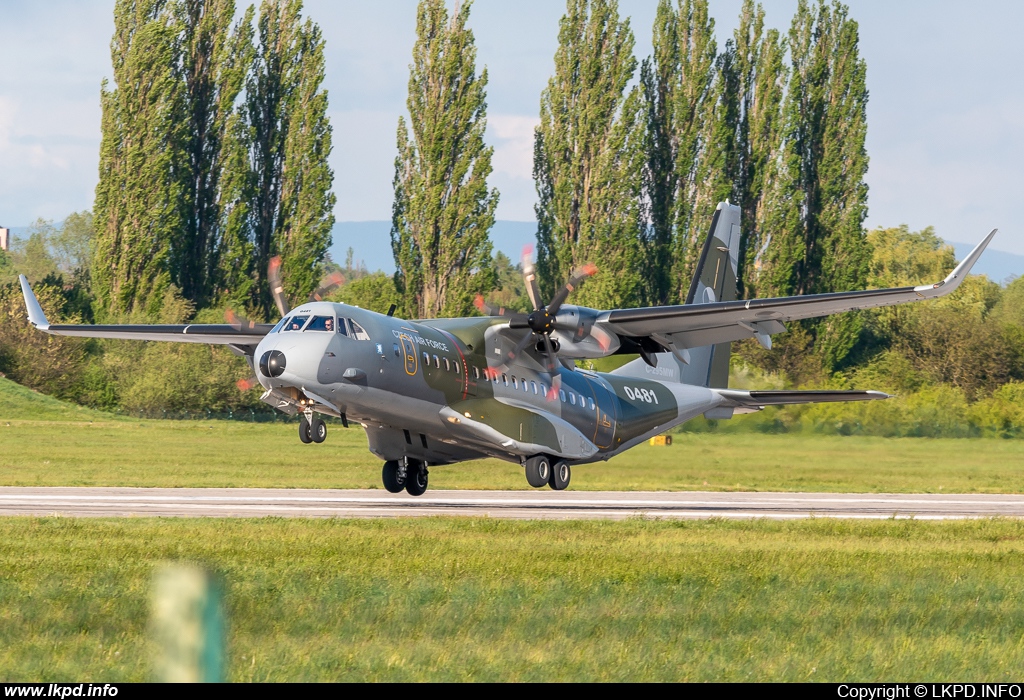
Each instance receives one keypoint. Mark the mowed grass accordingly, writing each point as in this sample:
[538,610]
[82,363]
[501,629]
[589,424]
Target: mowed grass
[492,600]
[46,442]
[108,452]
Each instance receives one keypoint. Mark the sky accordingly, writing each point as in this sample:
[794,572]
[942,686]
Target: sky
[945,115]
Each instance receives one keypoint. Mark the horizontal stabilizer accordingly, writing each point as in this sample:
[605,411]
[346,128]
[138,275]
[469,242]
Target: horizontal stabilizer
[751,399]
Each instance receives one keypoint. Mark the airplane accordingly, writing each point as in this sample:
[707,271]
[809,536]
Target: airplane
[435,392]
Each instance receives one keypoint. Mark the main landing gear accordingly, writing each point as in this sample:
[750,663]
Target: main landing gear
[408,475]
[541,471]
[311,428]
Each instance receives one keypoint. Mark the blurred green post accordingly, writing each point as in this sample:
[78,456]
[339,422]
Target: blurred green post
[187,625]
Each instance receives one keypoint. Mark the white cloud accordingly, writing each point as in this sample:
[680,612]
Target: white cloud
[512,138]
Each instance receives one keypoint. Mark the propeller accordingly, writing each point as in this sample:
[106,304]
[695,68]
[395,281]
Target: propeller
[542,321]
[328,284]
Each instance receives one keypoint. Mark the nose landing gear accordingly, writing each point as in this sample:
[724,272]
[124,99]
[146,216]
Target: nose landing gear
[311,428]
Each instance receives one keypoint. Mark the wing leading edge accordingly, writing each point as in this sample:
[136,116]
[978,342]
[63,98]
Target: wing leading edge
[698,325]
[210,334]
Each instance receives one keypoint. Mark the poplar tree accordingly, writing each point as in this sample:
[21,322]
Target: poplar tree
[759,66]
[686,112]
[278,197]
[588,160]
[137,207]
[819,201]
[443,209]
[211,66]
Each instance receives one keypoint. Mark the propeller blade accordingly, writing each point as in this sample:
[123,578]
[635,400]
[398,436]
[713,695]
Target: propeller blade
[574,282]
[551,363]
[530,278]
[328,284]
[238,322]
[247,384]
[276,286]
[603,337]
[526,339]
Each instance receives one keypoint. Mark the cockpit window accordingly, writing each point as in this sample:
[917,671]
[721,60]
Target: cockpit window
[295,323]
[321,323]
[357,331]
[347,326]
[279,326]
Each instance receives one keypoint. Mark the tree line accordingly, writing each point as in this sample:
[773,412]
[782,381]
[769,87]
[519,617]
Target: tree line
[214,159]
[631,159]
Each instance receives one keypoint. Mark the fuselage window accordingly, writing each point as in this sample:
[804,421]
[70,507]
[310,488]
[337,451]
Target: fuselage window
[343,326]
[504,379]
[561,394]
[525,388]
[514,385]
[295,323]
[533,385]
[544,389]
[591,403]
[357,331]
[447,365]
[572,398]
[476,372]
[437,362]
[458,368]
[321,323]
[426,359]
[279,326]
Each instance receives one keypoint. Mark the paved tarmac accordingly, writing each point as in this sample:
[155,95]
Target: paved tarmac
[540,504]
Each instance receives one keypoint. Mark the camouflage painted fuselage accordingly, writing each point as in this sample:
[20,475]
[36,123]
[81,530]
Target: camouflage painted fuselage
[438,391]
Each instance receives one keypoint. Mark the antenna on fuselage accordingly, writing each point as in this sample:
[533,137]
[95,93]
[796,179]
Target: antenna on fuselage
[393,309]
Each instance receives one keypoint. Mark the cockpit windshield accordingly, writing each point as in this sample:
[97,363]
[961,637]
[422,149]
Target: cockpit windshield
[295,323]
[279,326]
[321,323]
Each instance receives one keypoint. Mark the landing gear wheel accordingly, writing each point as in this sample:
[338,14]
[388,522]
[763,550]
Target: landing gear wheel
[393,477]
[318,430]
[560,476]
[538,471]
[305,433]
[416,482]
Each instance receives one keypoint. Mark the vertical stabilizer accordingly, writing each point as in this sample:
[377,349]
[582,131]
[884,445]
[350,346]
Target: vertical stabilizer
[714,279]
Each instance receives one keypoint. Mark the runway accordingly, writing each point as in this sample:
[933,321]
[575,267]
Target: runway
[541,504]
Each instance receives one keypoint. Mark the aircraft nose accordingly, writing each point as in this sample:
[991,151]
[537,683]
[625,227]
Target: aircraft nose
[272,363]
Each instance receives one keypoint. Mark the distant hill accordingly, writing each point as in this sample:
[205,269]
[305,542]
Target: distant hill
[371,241]
[999,265]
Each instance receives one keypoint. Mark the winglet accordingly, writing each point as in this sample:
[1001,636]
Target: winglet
[35,311]
[961,271]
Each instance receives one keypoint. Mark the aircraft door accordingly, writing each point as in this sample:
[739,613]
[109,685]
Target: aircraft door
[606,414]
[409,357]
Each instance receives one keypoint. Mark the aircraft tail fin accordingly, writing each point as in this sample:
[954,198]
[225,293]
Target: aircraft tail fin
[714,279]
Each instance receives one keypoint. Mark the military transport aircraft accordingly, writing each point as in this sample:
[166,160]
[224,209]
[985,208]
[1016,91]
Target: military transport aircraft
[441,391]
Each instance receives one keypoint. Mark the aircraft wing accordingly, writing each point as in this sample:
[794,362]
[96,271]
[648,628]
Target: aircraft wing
[697,325]
[210,334]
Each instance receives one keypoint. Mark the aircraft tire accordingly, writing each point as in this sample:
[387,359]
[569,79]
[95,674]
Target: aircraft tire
[560,476]
[305,433]
[318,430]
[538,471]
[389,475]
[416,481]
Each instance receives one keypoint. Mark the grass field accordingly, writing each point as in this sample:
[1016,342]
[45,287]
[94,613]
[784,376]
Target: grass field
[486,600]
[106,451]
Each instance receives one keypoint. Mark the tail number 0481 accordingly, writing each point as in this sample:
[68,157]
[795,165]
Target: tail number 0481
[637,394]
